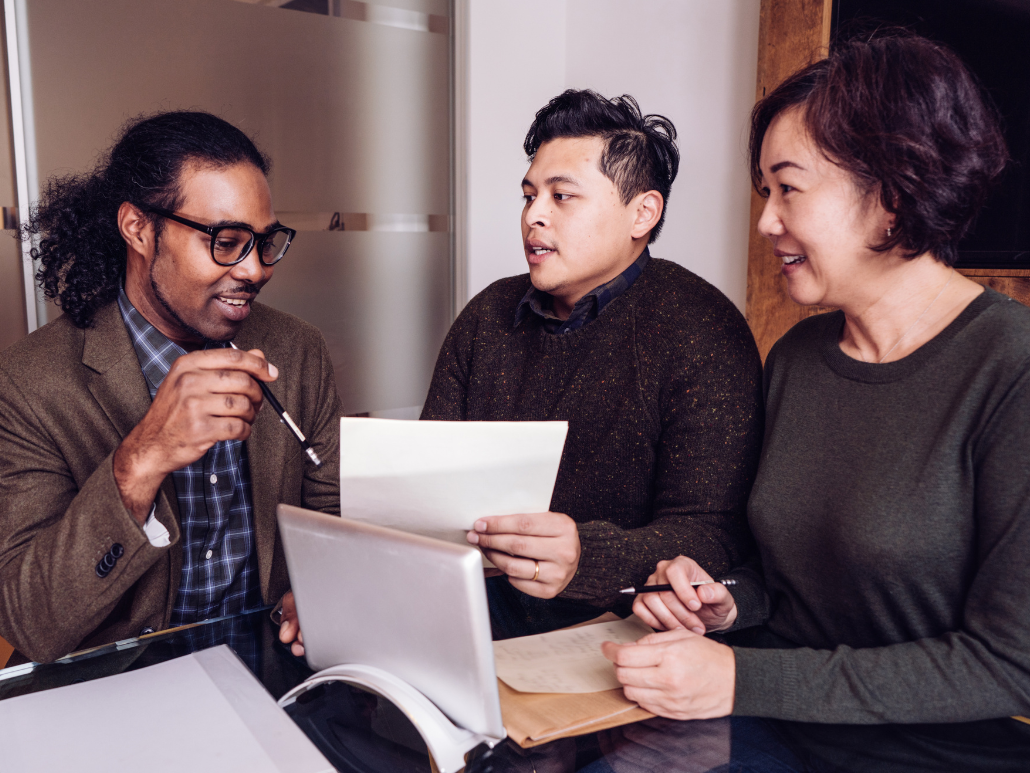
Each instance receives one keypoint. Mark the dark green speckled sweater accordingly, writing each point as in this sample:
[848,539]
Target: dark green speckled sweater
[662,395]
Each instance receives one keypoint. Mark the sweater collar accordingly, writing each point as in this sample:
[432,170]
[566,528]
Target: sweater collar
[587,308]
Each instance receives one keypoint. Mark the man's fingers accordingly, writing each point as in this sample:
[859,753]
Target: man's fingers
[514,566]
[536,524]
[288,630]
[517,545]
[251,362]
[232,405]
[221,381]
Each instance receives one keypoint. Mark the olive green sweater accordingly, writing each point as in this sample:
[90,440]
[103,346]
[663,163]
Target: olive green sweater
[892,515]
[662,393]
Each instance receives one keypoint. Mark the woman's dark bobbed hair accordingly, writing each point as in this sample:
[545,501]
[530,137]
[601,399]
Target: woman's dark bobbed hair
[81,252]
[905,118]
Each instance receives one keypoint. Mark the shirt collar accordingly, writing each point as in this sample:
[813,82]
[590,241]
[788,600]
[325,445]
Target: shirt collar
[587,308]
[155,352]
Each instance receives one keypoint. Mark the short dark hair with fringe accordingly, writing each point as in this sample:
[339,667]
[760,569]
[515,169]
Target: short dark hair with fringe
[640,151]
[906,119]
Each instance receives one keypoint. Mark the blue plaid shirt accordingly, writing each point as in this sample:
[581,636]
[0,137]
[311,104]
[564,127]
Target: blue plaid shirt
[587,308]
[216,514]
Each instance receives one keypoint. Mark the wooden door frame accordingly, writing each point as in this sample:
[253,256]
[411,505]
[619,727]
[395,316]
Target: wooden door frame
[792,34]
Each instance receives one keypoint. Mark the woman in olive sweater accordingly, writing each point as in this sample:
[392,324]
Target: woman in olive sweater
[885,626]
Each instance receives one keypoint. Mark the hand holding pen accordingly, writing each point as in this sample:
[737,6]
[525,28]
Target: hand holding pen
[207,396]
[284,417]
[697,602]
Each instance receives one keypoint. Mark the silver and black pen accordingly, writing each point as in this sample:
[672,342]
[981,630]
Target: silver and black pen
[662,588]
[284,417]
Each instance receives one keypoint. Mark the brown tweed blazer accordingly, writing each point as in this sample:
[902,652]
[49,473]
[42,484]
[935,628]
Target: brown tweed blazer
[67,399]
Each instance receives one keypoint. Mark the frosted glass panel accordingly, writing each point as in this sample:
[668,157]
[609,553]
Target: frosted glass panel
[12,291]
[12,285]
[382,301]
[355,116]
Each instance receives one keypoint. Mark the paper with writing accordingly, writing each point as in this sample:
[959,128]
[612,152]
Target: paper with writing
[568,661]
[437,477]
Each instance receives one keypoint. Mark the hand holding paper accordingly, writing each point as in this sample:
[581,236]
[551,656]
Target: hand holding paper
[438,477]
[538,551]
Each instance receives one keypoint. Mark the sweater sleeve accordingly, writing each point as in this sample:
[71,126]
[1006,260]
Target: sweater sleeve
[448,391]
[980,671]
[709,416]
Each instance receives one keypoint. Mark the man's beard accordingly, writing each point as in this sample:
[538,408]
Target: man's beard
[246,288]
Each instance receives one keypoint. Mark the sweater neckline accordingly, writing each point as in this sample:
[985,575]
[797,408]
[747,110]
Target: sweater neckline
[557,342]
[877,373]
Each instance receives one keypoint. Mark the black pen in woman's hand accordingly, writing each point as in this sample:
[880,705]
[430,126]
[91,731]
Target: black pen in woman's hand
[284,417]
[662,588]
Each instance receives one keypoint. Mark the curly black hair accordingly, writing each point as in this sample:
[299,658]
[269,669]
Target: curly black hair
[81,252]
[905,118]
[640,152]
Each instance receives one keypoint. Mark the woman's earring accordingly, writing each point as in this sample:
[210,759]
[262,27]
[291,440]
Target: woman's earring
[888,232]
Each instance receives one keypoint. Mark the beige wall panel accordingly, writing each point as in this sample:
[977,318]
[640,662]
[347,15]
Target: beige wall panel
[356,118]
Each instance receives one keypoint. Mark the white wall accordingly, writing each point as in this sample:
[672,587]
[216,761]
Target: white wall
[693,61]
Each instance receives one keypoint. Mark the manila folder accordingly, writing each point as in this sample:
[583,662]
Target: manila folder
[532,719]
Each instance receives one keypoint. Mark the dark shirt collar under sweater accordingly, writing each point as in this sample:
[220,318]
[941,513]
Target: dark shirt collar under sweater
[587,308]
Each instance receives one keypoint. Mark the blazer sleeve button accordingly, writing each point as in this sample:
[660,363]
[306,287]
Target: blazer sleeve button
[117,551]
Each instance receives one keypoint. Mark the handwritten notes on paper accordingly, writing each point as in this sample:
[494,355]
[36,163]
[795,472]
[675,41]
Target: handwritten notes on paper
[568,661]
[437,477]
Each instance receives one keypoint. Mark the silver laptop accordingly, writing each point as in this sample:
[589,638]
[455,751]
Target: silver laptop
[413,606]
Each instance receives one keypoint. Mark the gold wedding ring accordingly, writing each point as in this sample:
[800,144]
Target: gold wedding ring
[537,572]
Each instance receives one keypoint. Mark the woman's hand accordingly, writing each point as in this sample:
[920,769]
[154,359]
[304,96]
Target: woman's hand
[676,674]
[702,609]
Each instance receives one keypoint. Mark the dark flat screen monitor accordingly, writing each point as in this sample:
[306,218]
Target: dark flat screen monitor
[993,38]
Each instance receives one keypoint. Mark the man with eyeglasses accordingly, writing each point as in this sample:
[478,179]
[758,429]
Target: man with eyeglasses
[138,474]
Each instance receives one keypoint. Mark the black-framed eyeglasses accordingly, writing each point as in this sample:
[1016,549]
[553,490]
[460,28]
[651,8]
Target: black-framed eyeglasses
[230,244]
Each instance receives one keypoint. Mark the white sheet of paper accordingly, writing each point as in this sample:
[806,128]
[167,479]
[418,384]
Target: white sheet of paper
[437,477]
[204,713]
[565,661]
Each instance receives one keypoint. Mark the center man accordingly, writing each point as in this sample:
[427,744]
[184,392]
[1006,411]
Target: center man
[654,369]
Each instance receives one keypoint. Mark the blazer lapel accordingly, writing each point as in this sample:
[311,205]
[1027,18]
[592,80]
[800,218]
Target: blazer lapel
[118,386]
[267,448]
[117,383]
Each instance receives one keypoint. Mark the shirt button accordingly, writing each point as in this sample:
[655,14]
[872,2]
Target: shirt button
[209,554]
[214,478]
